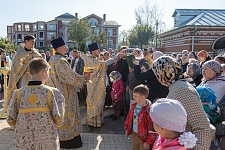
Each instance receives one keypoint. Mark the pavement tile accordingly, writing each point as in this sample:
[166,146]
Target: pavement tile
[108,137]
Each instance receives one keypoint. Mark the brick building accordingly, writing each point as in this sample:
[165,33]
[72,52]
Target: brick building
[110,27]
[46,31]
[195,30]
[43,31]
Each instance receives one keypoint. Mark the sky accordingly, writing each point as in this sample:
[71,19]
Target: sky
[122,11]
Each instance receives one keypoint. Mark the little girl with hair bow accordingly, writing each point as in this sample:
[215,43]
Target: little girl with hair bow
[169,119]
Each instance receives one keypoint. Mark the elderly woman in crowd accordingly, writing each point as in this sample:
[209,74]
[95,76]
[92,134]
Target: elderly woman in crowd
[212,78]
[194,71]
[168,72]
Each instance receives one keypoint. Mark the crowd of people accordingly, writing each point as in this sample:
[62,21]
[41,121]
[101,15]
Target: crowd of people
[168,101]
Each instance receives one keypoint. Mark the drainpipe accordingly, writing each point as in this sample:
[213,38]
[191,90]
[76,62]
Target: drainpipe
[193,38]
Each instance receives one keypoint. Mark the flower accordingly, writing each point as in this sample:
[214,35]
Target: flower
[187,139]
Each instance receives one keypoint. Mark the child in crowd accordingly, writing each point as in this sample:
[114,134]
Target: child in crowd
[36,110]
[138,122]
[169,119]
[117,93]
[208,98]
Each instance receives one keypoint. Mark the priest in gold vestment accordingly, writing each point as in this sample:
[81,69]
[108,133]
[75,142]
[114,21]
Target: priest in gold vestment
[19,75]
[65,80]
[96,85]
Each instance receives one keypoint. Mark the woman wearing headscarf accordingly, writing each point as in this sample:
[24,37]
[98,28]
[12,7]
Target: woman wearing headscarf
[203,57]
[194,71]
[192,55]
[213,79]
[168,72]
[157,90]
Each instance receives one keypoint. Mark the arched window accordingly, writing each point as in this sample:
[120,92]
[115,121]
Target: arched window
[93,22]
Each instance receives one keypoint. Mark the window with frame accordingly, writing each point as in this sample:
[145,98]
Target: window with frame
[19,27]
[96,31]
[93,22]
[176,21]
[34,27]
[109,43]
[41,34]
[41,44]
[109,32]
[19,36]
[27,27]
[52,35]
[51,26]
[41,26]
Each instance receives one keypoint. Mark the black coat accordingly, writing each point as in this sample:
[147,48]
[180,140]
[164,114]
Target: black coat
[156,89]
[79,67]
[123,68]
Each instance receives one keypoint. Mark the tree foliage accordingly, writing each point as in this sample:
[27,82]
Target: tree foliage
[83,47]
[140,35]
[6,44]
[79,31]
[101,38]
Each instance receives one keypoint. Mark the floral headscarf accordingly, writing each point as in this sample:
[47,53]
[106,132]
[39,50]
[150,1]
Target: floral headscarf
[167,70]
[116,75]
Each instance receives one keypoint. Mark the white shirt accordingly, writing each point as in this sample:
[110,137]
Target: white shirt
[75,64]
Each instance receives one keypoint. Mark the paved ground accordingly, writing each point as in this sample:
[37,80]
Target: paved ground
[109,137]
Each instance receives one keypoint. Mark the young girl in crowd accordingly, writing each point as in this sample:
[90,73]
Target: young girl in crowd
[116,93]
[169,119]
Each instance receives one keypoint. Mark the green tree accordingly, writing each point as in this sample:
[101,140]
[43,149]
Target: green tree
[140,35]
[101,38]
[6,44]
[79,31]
[83,47]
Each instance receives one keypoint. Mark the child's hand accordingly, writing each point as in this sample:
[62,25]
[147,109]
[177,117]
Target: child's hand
[146,146]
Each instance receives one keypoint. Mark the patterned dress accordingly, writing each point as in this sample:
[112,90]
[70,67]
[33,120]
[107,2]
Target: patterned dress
[96,91]
[196,118]
[63,78]
[35,111]
[19,75]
